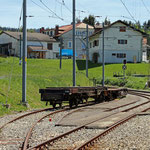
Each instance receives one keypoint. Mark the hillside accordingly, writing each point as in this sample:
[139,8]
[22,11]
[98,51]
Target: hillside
[43,73]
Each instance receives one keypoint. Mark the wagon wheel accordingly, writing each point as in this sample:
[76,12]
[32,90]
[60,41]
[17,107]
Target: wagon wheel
[60,105]
[81,100]
[54,105]
[86,100]
[70,103]
[76,102]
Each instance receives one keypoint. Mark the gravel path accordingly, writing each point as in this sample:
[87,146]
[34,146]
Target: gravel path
[133,135]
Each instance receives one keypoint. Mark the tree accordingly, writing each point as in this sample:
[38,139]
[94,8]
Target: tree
[107,22]
[90,20]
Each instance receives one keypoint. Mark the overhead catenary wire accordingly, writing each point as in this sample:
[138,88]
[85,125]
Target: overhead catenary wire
[128,11]
[43,8]
[64,4]
[145,6]
[51,10]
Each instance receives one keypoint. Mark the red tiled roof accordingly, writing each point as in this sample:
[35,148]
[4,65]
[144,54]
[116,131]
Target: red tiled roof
[66,28]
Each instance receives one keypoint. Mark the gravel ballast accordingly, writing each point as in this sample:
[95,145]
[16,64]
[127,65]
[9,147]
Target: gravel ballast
[132,135]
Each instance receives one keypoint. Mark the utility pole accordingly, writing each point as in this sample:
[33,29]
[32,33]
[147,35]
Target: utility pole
[20,51]
[87,49]
[24,64]
[61,47]
[74,51]
[103,61]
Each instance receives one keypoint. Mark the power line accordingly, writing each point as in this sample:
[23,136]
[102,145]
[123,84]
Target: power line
[145,7]
[51,10]
[64,4]
[128,11]
[40,7]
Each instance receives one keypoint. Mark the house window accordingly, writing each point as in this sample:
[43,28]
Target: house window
[76,32]
[83,46]
[50,46]
[51,33]
[121,55]
[122,41]
[122,29]
[90,45]
[96,43]
[70,44]
[113,54]
[90,33]
[83,33]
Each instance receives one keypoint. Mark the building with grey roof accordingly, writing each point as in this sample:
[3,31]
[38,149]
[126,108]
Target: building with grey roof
[39,45]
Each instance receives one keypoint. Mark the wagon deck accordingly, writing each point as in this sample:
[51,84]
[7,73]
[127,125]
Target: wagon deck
[76,95]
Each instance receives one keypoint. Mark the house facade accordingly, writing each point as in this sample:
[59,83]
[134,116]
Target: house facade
[38,45]
[121,42]
[65,33]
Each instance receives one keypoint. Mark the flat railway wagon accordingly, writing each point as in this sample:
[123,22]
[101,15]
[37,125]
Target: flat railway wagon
[76,95]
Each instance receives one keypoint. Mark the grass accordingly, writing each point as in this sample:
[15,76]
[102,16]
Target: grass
[45,73]
[40,74]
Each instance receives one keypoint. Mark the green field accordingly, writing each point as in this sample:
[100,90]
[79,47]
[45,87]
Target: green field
[43,73]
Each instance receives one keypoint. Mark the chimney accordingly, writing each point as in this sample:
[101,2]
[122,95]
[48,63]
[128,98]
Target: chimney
[42,30]
[97,27]
[56,30]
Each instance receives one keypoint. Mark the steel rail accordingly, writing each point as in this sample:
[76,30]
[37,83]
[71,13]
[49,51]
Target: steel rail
[28,136]
[121,106]
[97,137]
[67,133]
[91,141]
[139,91]
[25,144]
[22,116]
[43,145]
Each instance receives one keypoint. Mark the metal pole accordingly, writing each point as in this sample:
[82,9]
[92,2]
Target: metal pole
[74,51]
[20,52]
[103,61]
[123,74]
[61,42]
[87,49]
[24,64]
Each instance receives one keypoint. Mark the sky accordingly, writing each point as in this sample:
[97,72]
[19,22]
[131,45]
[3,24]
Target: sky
[59,13]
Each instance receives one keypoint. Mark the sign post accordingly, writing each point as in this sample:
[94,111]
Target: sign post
[124,67]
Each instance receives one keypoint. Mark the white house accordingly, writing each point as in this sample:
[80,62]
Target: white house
[65,32]
[39,45]
[121,42]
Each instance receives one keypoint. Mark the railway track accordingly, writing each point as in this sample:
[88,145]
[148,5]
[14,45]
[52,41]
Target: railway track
[29,133]
[94,141]
[22,116]
[77,130]
[8,140]
[50,144]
